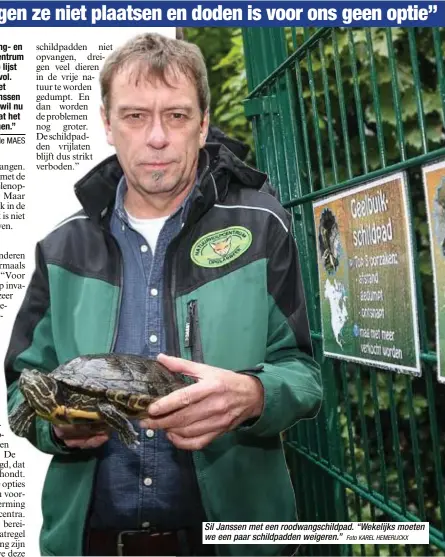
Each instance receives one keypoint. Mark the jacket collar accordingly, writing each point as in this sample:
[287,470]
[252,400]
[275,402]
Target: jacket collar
[218,170]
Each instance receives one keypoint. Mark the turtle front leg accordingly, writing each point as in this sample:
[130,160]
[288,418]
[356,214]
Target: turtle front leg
[20,420]
[127,433]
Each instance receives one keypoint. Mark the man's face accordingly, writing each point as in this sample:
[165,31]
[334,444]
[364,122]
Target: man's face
[157,131]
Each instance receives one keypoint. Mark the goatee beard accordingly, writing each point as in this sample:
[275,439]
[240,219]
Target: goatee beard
[157,175]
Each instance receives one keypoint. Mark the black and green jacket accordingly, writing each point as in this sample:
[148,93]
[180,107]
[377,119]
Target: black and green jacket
[233,299]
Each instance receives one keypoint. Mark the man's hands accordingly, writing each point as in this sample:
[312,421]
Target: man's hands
[219,401]
[82,436]
[193,416]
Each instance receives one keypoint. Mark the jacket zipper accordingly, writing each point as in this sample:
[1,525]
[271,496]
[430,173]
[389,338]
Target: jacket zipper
[192,337]
[121,288]
[173,332]
[176,349]
[171,320]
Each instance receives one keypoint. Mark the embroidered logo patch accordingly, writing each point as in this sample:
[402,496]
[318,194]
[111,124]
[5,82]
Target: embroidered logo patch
[218,248]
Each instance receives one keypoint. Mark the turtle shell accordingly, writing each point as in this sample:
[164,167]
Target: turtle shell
[118,373]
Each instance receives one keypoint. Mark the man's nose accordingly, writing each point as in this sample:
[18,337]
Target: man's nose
[156,135]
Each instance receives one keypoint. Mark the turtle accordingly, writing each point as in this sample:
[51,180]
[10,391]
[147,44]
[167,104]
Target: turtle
[94,389]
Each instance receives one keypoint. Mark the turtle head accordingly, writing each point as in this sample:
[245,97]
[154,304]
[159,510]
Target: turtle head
[40,391]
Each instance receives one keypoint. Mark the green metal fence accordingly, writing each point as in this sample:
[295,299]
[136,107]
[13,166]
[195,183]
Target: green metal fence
[331,108]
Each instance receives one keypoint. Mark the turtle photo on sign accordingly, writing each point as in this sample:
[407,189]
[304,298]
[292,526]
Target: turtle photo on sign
[329,241]
[106,389]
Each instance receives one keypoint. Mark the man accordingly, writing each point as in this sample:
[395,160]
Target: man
[180,250]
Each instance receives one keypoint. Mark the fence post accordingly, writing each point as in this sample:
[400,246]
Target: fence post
[276,121]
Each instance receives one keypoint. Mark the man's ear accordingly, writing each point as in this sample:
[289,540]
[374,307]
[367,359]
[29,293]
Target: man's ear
[204,129]
[107,126]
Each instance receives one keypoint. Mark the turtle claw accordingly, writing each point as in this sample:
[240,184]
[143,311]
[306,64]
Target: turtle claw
[134,444]
[125,430]
[129,438]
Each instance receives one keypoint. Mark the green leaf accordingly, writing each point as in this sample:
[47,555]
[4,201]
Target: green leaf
[409,103]
[431,101]
[413,137]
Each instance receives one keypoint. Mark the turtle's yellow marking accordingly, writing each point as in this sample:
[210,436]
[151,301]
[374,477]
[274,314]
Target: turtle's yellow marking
[58,411]
[136,403]
[67,413]
[74,413]
[133,403]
